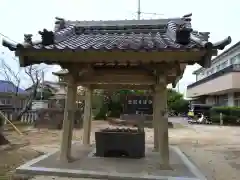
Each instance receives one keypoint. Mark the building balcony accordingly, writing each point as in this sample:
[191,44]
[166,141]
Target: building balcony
[225,80]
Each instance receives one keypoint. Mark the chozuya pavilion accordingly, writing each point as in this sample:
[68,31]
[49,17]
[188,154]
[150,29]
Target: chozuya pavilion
[122,54]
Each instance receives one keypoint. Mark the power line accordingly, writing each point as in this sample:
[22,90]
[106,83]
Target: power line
[139,12]
[152,13]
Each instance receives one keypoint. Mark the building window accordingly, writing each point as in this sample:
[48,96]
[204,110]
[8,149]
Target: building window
[237,102]
[8,101]
[22,103]
[238,58]
[237,99]
[224,64]
[233,60]
[5,101]
[211,70]
[222,100]
[210,100]
[2,101]
[236,67]
[218,67]
[199,76]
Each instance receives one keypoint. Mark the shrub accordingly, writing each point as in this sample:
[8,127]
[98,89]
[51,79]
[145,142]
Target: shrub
[215,118]
[235,111]
[102,114]
[179,106]
[111,109]
[115,113]
[230,115]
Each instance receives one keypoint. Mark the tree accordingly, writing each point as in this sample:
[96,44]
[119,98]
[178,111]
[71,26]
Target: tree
[112,104]
[176,102]
[16,77]
[32,73]
[113,100]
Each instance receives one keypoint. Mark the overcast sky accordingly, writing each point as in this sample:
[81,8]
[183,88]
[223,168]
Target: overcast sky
[220,18]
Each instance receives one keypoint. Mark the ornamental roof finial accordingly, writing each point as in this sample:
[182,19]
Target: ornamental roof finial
[28,38]
[59,24]
[47,37]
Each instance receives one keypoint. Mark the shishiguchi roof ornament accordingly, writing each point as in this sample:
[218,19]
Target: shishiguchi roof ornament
[88,38]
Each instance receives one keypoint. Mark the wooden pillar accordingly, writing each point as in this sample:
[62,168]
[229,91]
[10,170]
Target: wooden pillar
[160,116]
[68,121]
[87,119]
[155,125]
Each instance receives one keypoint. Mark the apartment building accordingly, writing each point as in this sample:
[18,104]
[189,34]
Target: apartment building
[219,84]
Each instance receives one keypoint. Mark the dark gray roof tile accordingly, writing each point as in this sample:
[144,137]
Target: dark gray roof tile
[161,34]
[120,41]
[149,35]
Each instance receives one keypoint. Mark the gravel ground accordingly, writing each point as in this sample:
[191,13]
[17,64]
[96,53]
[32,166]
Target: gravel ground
[215,150]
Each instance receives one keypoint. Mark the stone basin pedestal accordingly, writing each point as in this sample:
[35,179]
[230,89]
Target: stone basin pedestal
[129,143]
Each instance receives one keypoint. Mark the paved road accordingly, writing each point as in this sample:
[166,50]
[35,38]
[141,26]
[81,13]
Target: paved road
[181,120]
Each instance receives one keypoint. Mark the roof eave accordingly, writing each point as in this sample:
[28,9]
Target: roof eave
[26,59]
[217,46]
[220,45]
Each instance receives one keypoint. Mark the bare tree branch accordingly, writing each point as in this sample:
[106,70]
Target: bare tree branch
[33,73]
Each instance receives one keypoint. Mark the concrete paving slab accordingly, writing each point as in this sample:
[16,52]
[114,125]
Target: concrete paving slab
[86,165]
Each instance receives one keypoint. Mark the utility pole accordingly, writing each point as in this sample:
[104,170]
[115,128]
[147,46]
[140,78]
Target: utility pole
[139,9]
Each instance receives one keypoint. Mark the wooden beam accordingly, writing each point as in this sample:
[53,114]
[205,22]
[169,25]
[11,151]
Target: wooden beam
[121,86]
[59,57]
[121,71]
[119,79]
[140,69]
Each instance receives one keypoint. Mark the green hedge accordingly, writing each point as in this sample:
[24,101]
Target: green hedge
[102,113]
[230,115]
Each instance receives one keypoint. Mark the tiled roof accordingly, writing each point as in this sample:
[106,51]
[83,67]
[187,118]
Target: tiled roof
[108,38]
[146,35]
[120,41]
[231,49]
[9,87]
